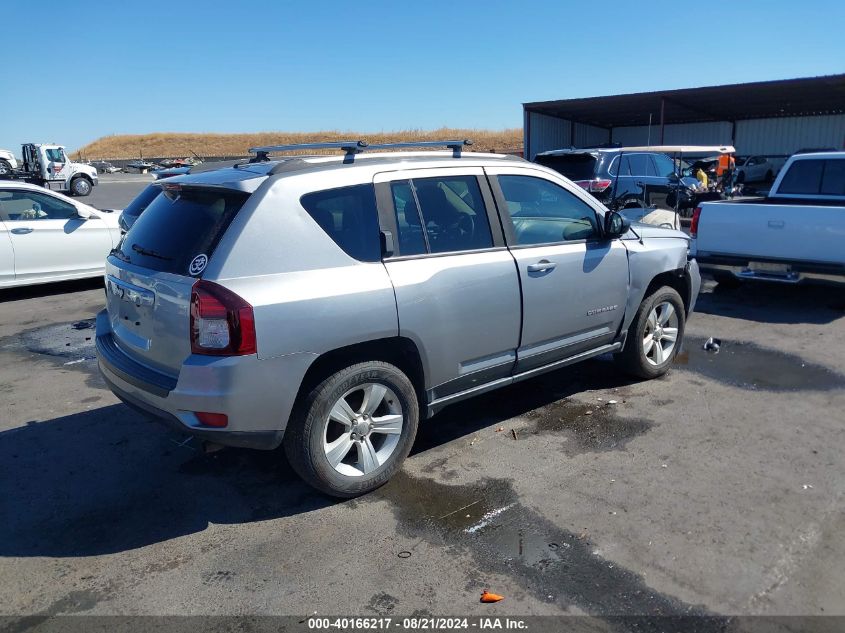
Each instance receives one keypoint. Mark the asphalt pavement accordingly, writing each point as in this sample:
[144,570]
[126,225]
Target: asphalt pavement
[115,191]
[715,490]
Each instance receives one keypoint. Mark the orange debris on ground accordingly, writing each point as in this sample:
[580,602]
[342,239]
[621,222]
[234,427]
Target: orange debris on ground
[491,597]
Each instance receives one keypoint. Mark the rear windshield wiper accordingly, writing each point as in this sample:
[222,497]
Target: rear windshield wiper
[144,251]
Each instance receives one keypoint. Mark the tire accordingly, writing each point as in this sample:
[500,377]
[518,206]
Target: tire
[5,167]
[726,279]
[634,359]
[362,457]
[80,186]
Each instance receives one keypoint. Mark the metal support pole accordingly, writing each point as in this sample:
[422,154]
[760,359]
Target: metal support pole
[662,121]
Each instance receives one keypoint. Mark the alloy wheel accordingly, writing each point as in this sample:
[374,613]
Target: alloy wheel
[661,333]
[363,429]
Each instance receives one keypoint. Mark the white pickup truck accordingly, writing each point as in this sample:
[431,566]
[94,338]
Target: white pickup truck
[796,233]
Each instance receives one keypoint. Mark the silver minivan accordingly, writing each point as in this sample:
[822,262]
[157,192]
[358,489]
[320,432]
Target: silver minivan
[327,303]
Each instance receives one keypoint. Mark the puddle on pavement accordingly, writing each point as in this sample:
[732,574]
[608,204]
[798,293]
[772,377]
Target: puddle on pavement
[748,366]
[69,345]
[587,427]
[487,520]
[64,342]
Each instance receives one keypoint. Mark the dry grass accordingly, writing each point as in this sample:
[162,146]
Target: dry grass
[167,144]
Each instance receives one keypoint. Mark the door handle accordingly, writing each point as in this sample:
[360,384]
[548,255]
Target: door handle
[640,183]
[776,224]
[542,265]
[22,230]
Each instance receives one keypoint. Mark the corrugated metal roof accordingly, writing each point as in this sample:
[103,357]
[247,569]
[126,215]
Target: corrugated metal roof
[764,99]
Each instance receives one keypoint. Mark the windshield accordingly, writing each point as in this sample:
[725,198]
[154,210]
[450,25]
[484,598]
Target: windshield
[177,227]
[142,201]
[573,166]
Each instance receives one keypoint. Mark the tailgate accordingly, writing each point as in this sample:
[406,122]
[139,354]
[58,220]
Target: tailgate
[150,275]
[149,316]
[772,231]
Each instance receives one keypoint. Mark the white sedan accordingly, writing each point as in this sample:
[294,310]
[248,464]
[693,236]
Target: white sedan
[45,236]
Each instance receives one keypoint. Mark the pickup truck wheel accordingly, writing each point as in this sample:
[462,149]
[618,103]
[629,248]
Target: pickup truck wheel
[726,279]
[353,431]
[5,167]
[655,335]
[80,186]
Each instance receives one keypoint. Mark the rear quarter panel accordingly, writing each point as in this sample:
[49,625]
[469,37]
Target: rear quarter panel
[308,295]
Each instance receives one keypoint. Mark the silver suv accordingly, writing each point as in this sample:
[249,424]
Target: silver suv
[327,303]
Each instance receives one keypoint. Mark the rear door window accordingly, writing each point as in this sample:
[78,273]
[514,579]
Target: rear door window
[805,176]
[348,215]
[179,226]
[665,165]
[833,178]
[640,165]
[440,215]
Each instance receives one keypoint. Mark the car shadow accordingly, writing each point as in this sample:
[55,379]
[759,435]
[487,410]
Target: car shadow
[50,289]
[108,480]
[773,302]
[470,416]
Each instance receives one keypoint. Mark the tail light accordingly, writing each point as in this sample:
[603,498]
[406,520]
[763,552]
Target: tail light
[222,323]
[693,228]
[218,420]
[595,186]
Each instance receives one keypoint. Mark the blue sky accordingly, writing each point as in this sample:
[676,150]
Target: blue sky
[135,67]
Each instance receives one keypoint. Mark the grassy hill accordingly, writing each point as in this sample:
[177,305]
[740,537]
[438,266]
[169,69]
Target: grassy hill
[175,144]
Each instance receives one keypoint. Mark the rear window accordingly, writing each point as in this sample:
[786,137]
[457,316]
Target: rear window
[573,166]
[142,201]
[177,227]
[815,177]
[348,215]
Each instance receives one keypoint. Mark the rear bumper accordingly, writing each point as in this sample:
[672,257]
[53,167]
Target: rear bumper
[256,395]
[793,272]
[261,440]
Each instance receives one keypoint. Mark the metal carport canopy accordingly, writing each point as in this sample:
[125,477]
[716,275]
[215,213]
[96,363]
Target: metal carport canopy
[764,99]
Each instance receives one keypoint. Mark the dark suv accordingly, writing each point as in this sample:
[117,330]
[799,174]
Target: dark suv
[647,179]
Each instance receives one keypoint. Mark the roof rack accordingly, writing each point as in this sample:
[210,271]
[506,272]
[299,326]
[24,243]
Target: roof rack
[355,147]
[349,147]
[455,146]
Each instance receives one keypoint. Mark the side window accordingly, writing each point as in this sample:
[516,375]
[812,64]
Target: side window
[833,179]
[55,155]
[348,215]
[803,177]
[665,165]
[440,215]
[626,167]
[411,238]
[543,212]
[640,165]
[28,205]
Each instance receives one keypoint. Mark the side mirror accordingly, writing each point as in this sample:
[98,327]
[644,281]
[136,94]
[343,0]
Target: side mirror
[615,225]
[82,214]
[674,178]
